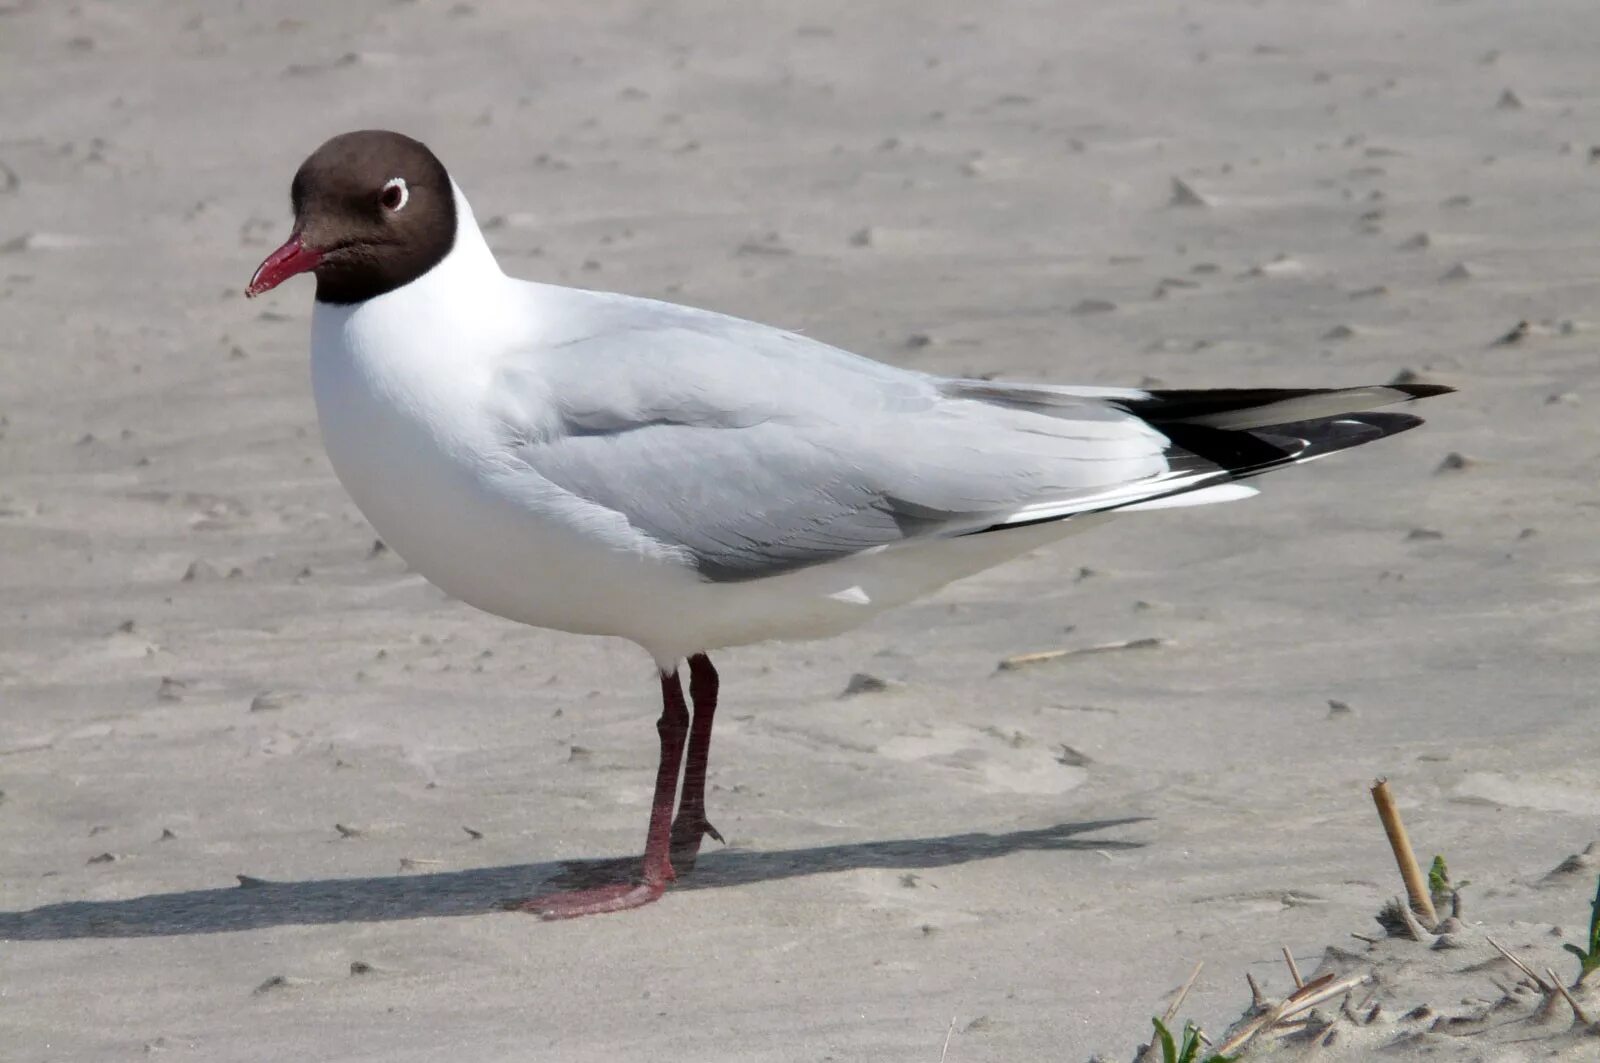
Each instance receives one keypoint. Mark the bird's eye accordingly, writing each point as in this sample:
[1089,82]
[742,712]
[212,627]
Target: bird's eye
[395,195]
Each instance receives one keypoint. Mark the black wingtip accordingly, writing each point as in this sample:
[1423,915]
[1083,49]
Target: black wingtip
[1250,453]
[1422,391]
[1387,423]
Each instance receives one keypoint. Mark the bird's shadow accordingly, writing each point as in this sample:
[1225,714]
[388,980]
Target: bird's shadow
[255,904]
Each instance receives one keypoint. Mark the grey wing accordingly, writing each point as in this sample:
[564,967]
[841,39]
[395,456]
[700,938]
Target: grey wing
[756,452]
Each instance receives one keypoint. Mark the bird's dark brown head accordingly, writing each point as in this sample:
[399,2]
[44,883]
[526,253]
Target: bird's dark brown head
[373,211]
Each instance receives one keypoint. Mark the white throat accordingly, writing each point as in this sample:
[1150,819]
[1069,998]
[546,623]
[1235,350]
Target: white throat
[463,303]
[470,256]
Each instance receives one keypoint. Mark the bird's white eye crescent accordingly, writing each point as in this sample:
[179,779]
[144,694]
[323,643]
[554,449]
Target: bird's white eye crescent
[395,194]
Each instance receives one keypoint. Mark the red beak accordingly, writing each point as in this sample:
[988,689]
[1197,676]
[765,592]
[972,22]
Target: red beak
[293,257]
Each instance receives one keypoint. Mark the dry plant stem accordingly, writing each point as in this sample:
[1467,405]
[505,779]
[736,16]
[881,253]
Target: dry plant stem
[1258,999]
[1177,1001]
[1416,884]
[1576,1010]
[946,1049]
[1413,926]
[1519,965]
[1294,972]
[1305,998]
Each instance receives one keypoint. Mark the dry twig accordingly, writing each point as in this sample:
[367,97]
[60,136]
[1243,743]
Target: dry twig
[1301,1000]
[1258,999]
[1576,1010]
[1183,991]
[1519,965]
[1294,972]
[1400,842]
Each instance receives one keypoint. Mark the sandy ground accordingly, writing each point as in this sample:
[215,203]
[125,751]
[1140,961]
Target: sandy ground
[206,671]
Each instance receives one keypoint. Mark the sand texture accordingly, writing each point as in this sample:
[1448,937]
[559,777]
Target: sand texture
[264,789]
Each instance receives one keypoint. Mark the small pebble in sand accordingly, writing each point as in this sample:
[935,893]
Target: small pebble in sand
[1338,708]
[277,981]
[360,967]
[1280,266]
[271,700]
[866,683]
[771,245]
[1517,334]
[1455,461]
[347,831]
[1417,535]
[167,835]
[1184,195]
[1417,242]
[1072,758]
[1458,272]
[1339,332]
[1093,306]
[1167,284]
[104,858]
[918,340]
[475,835]
[171,689]
[1509,101]
[200,572]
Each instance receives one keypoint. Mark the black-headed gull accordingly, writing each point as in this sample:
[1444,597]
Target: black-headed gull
[611,465]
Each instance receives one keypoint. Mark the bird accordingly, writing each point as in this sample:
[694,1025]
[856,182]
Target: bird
[607,464]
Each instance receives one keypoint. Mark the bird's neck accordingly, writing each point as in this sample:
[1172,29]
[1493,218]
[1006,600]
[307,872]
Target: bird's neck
[470,266]
[462,306]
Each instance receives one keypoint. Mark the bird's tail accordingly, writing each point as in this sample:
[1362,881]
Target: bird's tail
[1250,431]
[1242,433]
[1219,437]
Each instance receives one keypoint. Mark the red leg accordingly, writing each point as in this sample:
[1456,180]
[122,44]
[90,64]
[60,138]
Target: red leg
[691,824]
[657,871]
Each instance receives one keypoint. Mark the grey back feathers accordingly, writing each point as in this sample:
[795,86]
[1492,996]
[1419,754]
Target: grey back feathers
[823,456]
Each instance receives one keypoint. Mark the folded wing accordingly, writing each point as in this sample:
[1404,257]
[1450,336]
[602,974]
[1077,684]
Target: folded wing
[754,452]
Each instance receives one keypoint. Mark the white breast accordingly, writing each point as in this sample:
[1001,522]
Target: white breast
[401,385]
